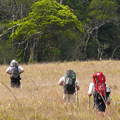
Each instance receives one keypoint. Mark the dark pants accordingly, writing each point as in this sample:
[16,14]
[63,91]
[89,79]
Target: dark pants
[15,82]
[99,103]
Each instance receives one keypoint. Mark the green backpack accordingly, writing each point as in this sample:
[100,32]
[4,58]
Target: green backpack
[15,72]
[69,84]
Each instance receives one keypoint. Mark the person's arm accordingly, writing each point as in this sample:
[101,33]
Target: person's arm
[90,91]
[61,81]
[8,71]
[108,91]
[89,94]
[21,70]
[77,84]
[108,100]
[78,88]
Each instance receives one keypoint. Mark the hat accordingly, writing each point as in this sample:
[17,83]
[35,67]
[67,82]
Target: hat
[14,63]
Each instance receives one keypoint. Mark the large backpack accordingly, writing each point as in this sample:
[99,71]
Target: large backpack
[15,72]
[69,84]
[100,85]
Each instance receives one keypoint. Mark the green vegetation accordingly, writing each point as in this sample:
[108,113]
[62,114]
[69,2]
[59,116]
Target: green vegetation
[46,21]
[58,30]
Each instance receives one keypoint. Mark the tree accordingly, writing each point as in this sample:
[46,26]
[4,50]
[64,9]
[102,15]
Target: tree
[101,13]
[111,38]
[11,10]
[46,20]
[93,14]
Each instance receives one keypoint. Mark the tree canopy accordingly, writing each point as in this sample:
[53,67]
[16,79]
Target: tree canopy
[47,19]
[58,30]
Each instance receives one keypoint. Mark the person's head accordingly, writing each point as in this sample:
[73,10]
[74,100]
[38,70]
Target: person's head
[14,63]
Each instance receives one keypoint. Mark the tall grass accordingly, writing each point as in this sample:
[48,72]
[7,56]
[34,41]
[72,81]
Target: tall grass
[41,96]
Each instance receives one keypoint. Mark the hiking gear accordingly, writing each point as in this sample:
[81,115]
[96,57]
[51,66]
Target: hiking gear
[71,74]
[21,86]
[69,85]
[108,89]
[100,86]
[77,98]
[15,72]
[89,102]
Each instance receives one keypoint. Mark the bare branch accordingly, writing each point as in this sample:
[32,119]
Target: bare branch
[9,29]
[27,40]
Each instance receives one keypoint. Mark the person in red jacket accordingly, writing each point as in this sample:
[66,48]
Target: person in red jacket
[99,103]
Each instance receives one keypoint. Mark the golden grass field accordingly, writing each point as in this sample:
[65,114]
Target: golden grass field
[41,96]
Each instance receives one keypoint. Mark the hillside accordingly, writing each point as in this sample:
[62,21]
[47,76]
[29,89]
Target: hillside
[41,96]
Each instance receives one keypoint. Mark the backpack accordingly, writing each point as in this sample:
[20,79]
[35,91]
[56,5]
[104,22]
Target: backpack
[100,86]
[69,84]
[15,72]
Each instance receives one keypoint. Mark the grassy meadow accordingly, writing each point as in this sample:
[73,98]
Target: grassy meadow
[41,96]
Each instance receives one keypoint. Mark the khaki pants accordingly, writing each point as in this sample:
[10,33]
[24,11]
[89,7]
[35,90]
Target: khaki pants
[69,98]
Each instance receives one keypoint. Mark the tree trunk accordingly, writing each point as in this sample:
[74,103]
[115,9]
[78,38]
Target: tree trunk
[114,51]
[13,18]
[100,49]
[32,49]
[61,2]
[86,43]
[100,53]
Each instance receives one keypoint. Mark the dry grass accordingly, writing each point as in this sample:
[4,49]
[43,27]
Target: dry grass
[41,97]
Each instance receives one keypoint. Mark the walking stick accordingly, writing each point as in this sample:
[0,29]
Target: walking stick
[21,86]
[77,99]
[89,102]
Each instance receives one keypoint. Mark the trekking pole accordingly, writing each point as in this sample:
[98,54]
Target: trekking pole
[21,86]
[77,99]
[89,102]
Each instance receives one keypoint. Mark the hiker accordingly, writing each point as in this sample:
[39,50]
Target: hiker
[14,70]
[101,92]
[70,85]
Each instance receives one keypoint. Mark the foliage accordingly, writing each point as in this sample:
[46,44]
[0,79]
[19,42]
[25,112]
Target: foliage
[45,30]
[100,13]
[103,10]
[46,20]
[113,42]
